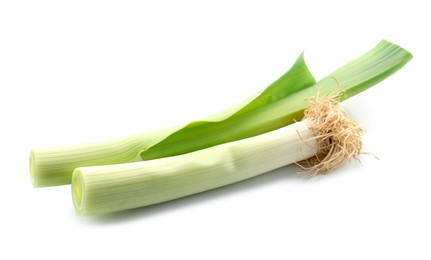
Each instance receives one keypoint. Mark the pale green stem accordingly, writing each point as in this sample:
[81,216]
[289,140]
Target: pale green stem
[103,189]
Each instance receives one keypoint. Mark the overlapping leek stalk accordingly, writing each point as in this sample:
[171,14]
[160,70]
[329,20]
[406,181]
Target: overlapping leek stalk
[281,104]
[104,189]
[326,134]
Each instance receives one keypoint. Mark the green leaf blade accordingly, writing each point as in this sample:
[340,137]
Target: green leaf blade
[269,114]
[241,124]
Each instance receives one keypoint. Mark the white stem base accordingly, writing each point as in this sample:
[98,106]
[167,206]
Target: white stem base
[103,189]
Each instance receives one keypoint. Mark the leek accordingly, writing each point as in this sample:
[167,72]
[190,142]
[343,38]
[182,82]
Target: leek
[281,104]
[54,165]
[105,189]
[326,134]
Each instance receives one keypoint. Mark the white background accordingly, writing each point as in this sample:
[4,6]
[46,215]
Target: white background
[74,71]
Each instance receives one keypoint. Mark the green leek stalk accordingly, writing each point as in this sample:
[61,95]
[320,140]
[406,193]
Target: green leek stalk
[281,104]
[54,165]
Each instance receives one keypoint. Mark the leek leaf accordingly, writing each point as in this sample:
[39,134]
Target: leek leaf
[237,125]
[279,105]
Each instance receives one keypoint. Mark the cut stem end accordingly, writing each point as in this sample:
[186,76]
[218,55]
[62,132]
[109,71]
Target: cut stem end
[78,190]
[33,171]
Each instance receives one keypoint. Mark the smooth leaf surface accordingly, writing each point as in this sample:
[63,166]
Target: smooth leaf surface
[235,125]
[284,101]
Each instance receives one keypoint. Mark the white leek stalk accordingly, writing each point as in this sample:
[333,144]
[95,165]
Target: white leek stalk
[103,189]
